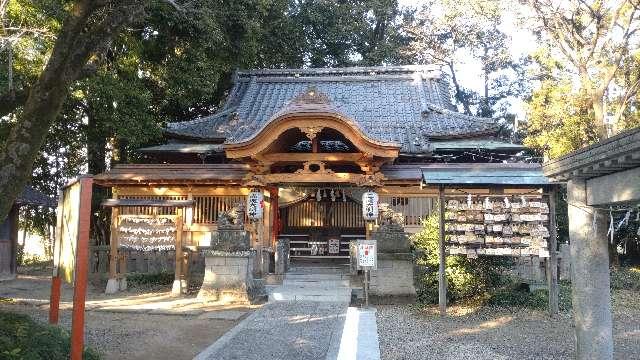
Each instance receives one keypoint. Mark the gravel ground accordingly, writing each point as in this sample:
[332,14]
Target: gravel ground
[406,332]
[139,336]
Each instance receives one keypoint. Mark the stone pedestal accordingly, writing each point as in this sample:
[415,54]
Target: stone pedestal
[393,281]
[228,278]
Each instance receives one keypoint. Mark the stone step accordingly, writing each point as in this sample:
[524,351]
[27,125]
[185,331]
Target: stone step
[317,283]
[315,270]
[286,294]
[316,277]
[317,298]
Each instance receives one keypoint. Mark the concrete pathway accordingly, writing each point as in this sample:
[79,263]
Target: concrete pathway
[300,330]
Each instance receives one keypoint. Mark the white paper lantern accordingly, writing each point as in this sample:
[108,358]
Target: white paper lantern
[255,205]
[370,205]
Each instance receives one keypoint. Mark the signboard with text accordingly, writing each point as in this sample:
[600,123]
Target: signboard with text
[367,254]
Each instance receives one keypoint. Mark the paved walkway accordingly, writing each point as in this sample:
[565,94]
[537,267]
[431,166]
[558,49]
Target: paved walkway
[300,330]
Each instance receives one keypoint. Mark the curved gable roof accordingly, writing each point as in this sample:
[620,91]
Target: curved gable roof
[404,105]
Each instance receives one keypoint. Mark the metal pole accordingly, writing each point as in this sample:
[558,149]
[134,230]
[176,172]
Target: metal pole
[442,285]
[366,288]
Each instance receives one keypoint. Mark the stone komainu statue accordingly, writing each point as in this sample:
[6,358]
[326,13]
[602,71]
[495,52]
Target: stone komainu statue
[234,217]
[389,217]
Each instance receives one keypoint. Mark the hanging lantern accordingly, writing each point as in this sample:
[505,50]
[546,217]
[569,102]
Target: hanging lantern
[370,205]
[255,205]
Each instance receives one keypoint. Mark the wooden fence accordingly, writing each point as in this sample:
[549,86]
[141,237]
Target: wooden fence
[145,262]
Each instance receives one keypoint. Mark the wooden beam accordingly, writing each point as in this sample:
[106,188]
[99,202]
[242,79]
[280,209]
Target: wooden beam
[301,157]
[177,191]
[152,203]
[552,262]
[442,281]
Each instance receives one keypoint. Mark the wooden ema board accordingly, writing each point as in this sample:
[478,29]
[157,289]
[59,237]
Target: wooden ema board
[146,233]
[497,225]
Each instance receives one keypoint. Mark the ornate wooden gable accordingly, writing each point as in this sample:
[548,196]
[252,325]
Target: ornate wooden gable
[310,141]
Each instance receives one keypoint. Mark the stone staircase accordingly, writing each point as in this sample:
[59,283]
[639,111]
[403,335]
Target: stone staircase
[313,283]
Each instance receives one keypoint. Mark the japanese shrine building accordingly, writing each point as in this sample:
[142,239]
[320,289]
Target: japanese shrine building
[313,140]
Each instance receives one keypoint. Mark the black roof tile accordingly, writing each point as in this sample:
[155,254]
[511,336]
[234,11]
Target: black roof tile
[406,104]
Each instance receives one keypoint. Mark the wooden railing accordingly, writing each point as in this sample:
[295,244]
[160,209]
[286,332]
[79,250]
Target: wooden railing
[415,209]
[205,210]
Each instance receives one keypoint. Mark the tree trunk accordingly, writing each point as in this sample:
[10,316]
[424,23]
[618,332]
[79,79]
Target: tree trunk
[597,103]
[459,94]
[96,145]
[88,25]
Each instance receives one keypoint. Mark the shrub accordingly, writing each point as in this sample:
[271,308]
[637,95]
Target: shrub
[139,280]
[626,278]
[516,294]
[23,338]
[466,278]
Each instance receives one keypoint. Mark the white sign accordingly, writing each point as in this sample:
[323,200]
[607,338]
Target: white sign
[367,253]
[370,205]
[255,205]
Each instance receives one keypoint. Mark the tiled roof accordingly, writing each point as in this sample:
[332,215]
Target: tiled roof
[483,174]
[407,105]
[31,196]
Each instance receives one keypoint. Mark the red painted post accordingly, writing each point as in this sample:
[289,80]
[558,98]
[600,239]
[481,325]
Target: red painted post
[82,268]
[54,300]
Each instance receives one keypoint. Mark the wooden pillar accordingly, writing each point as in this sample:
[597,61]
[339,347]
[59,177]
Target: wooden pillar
[591,297]
[275,227]
[113,284]
[177,281]
[442,280]
[552,262]
[81,269]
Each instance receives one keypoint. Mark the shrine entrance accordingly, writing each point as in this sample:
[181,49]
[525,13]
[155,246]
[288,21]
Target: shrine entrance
[320,222]
[316,162]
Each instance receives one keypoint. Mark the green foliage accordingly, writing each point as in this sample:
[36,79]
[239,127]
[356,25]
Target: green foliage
[161,279]
[23,338]
[466,278]
[626,278]
[559,119]
[515,294]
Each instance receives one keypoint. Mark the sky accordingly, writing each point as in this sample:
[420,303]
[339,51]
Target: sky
[523,43]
